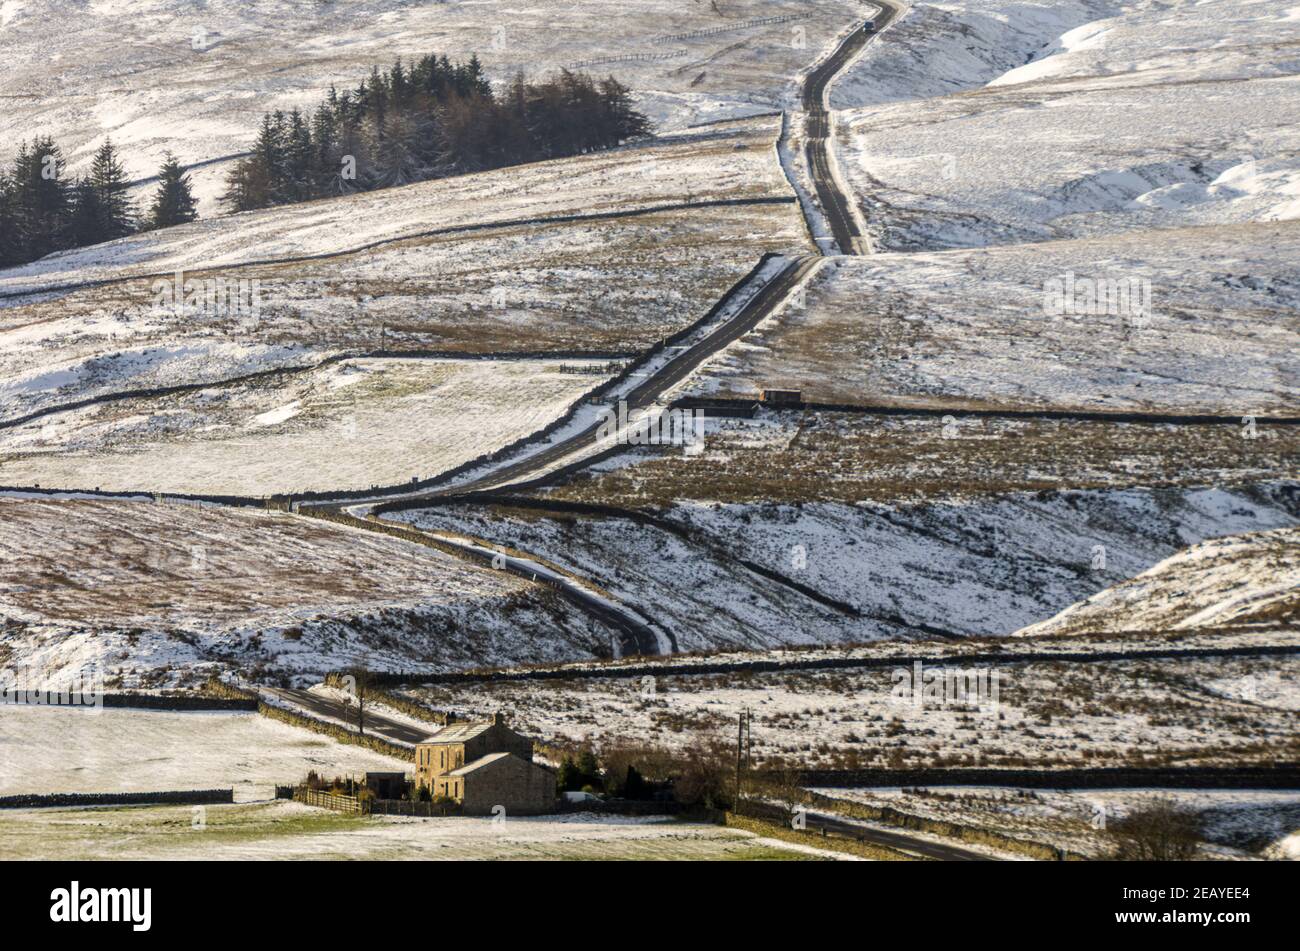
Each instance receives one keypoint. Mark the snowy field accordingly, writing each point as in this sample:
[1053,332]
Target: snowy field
[161,74]
[1186,711]
[1233,821]
[1210,324]
[61,749]
[288,830]
[984,566]
[938,48]
[350,425]
[1250,581]
[166,594]
[606,286]
[1164,114]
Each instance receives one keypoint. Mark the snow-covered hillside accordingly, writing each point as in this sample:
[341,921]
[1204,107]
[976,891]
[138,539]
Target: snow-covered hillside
[1199,320]
[1164,115]
[166,594]
[730,161]
[976,566]
[937,48]
[1250,580]
[607,285]
[167,74]
[350,425]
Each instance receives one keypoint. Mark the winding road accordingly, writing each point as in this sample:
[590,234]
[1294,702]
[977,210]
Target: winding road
[635,635]
[835,204]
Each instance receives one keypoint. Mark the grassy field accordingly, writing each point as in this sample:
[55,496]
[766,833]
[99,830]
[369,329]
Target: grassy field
[57,749]
[285,830]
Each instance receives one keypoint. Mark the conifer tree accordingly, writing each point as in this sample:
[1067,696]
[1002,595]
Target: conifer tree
[40,198]
[10,250]
[117,215]
[173,203]
[85,224]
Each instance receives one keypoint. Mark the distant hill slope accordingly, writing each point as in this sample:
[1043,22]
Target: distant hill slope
[1166,114]
[196,78]
[1240,580]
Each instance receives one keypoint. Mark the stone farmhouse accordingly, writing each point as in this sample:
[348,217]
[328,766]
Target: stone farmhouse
[484,764]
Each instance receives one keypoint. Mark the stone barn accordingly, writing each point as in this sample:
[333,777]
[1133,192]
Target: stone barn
[484,764]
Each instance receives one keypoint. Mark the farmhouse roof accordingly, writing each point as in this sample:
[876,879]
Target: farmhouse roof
[479,763]
[459,732]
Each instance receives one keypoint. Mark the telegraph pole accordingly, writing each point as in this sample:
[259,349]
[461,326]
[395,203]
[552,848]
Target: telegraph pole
[744,747]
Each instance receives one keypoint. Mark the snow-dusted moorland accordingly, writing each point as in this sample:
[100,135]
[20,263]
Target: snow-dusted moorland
[612,285]
[1250,581]
[1197,320]
[1042,714]
[937,48]
[1235,823]
[984,565]
[1150,114]
[164,74]
[165,594]
[350,425]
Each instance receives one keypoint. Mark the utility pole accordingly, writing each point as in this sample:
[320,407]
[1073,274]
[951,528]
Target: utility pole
[744,746]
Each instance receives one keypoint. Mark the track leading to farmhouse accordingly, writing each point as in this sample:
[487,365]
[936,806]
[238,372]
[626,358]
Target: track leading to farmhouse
[375,723]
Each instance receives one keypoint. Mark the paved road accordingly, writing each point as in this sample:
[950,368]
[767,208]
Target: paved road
[835,204]
[924,848]
[634,635]
[336,709]
[646,393]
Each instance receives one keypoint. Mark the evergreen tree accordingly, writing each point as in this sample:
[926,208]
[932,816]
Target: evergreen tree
[620,121]
[252,183]
[117,215]
[10,249]
[430,119]
[40,199]
[296,171]
[173,203]
[86,218]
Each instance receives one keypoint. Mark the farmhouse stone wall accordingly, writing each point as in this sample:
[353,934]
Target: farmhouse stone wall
[521,787]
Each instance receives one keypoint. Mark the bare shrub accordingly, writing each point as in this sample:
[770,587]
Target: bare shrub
[1160,832]
[706,774]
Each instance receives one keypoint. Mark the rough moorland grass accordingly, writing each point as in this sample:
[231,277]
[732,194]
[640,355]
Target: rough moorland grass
[843,457]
